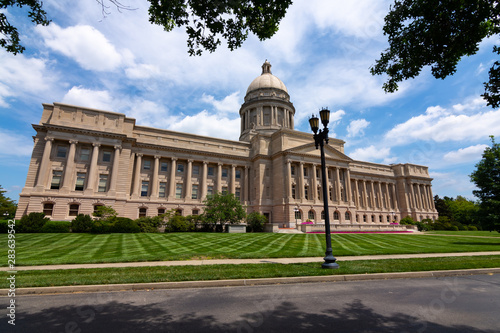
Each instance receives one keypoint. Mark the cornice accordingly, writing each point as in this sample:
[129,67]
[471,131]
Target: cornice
[46,127]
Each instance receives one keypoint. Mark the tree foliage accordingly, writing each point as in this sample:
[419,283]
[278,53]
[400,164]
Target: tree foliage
[208,21]
[7,206]
[223,208]
[437,34]
[9,36]
[256,221]
[487,179]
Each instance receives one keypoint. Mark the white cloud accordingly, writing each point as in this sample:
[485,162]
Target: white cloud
[142,71]
[230,103]
[97,99]
[207,124]
[85,44]
[440,125]
[13,144]
[465,155]
[357,127]
[371,154]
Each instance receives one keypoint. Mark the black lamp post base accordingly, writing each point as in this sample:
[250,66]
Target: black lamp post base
[330,262]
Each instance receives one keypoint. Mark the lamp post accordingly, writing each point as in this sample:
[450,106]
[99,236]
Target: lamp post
[321,137]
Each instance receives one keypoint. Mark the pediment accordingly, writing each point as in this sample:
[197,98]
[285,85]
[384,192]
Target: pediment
[310,150]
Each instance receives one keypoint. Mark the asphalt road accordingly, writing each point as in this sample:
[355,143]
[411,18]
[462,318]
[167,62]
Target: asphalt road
[452,304]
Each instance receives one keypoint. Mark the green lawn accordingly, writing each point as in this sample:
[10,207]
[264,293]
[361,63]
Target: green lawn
[466,233]
[43,249]
[244,271]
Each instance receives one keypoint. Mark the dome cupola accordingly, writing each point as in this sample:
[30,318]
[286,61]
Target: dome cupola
[267,106]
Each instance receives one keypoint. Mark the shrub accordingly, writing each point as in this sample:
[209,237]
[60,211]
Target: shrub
[149,224]
[472,228]
[423,226]
[33,222]
[56,227]
[101,227]
[179,224]
[124,225]
[453,228]
[4,227]
[105,213]
[407,220]
[256,221]
[81,223]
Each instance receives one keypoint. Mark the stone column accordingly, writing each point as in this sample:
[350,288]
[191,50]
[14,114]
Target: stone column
[431,197]
[204,184]
[289,180]
[188,181]
[314,184]
[365,195]
[356,193]
[387,197]
[337,185]
[69,171]
[419,197]
[41,181]
[301,182]
[394,197]
[413,199]
[348,186]
[246,186]
[233,179]
[114,170]
[137,175]
[154,181]
[172,182]
[372,187]
[380,196]
[219,177]
[93,168]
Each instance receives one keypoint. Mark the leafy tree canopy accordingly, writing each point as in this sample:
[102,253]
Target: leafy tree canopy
[487,179]
[7,206]
[223,208]
[438,34]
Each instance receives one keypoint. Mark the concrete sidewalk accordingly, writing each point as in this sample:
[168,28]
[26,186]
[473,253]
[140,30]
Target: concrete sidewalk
[248,261]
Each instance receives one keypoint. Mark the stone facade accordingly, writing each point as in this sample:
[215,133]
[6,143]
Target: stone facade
[83,158]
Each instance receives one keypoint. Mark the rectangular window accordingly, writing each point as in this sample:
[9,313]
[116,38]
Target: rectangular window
[143,212]
[293,191]
[84,154]
[224,172]
[80,181]
[210,190]
[292,168]
[238,174]
[103,183]
[73,210]
[48,209]
[224,190]
[194,192]
[144,189]
[146,165]
[180,168]
[62,151]
[210,171]
[178,191]
[196,169]
[305,172]
[330,193]
[319,193]
[237,193]
[161,211]
[306,192]
[162,190]
[163,166]
[195,212]
[106,156]
[56,180]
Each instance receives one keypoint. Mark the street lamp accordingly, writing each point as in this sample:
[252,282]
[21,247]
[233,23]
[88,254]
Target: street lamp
[321,137]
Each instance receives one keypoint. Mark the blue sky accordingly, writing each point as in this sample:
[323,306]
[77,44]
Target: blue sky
[322,52]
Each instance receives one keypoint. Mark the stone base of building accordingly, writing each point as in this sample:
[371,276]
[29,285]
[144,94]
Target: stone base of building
[311,228]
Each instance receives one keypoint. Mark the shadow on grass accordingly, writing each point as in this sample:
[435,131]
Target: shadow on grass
[285,317]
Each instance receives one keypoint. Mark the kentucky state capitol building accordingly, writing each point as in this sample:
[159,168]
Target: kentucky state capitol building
[83,158]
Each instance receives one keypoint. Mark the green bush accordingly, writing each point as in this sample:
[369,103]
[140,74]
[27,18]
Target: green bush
[124,225]
[472,228]
[407,220]
[33,222]
[81,223]
[149,224]
[56,227]
[255,221]
[423,226]
[453,228]
[179,223]
[4,227]
[101,227]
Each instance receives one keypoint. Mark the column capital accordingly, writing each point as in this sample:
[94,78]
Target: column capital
[96,144]
[190,161]
[139,154]
[247,167]
[234,166]
[49,138]
[174,158]
[205,162]
[157,157]
[118,147]
[289,161]
[220,164]
[73,142]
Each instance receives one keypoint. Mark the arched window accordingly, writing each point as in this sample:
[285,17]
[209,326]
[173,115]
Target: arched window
[380,218]
[336,215]
[373,218]
[364,218]
[48,208]
[310,215]
[347,216]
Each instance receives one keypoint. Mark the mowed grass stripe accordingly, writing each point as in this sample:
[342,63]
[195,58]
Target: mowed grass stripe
[59,246]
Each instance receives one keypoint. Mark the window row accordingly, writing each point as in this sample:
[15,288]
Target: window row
[180,167]
[179,190]
[311,215]
[83,153]
[81,177]
[317,170]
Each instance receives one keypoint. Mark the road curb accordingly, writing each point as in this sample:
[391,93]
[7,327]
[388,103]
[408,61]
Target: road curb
[245,282]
